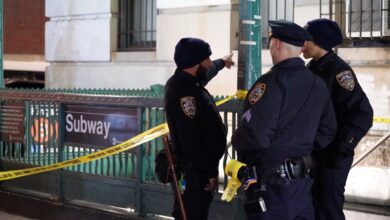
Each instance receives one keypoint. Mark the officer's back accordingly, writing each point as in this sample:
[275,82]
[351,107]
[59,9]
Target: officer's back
[287,113]
[303,97]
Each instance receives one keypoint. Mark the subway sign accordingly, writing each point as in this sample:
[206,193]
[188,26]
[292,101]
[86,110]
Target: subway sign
[98,126]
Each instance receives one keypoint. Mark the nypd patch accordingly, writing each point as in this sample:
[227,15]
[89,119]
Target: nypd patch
[188,105]
[256,93]
[346,80]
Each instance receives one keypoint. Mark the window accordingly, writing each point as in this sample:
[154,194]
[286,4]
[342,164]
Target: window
[275,10]
[359,19]
[137,25]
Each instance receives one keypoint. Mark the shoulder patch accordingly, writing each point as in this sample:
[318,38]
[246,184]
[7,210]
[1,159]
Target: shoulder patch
[189,106]
[256,93]
[346,80]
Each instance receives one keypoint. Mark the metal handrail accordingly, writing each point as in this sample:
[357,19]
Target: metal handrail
[376,145]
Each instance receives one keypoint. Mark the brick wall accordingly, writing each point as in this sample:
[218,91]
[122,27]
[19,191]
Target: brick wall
[24,26]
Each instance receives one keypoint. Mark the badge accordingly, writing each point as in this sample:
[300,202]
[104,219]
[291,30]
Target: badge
[346,80]
[188,106]
[256,93]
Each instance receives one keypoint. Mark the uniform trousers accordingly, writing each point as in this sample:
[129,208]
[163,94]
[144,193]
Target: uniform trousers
[196,199]
[288,201]
[328,190]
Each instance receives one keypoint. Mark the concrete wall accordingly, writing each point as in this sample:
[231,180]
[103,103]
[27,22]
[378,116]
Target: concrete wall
[78,32]
[81,43]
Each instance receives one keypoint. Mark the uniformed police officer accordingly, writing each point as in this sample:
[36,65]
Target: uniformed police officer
[195,125]
[286,114]
[353,112]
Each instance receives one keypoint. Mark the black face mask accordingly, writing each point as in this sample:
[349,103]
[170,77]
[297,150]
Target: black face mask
[201,73]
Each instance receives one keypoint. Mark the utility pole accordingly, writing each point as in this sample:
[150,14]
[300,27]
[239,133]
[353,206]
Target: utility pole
[249,51]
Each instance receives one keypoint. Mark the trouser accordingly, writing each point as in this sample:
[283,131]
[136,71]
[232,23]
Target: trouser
[291,201]
[196,199]
[328,190]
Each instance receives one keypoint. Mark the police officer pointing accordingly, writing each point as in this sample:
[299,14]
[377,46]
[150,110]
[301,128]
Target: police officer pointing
[286,114]
[353,112]
[195,125]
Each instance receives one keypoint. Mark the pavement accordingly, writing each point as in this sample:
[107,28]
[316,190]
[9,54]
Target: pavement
[7,216]
[350,215]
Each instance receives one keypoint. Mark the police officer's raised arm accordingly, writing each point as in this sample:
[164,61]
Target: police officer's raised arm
[260,119]
[218,65]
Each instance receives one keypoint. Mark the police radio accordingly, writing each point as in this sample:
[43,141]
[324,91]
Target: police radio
[245,176]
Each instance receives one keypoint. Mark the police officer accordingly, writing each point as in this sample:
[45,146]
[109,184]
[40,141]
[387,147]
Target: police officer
[353,112]
[286,114]
[195,125]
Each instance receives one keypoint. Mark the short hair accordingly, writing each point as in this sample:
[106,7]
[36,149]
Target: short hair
[293,50]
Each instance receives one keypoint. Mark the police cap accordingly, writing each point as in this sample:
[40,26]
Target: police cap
[191,51]
[325,33]
[289,32]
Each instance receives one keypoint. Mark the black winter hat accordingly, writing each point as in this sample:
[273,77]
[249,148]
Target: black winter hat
[191,51]
[325,33]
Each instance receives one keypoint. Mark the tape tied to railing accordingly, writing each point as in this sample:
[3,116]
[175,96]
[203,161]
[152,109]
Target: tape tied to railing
[139,139]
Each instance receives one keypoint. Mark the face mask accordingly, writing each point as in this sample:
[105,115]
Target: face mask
[201,73]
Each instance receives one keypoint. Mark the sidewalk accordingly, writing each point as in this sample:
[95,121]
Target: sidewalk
[350,215]
[6,216]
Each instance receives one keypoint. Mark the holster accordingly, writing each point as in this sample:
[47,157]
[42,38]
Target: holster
[296,168]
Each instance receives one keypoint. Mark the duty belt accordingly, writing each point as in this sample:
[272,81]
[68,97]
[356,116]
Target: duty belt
[290,169]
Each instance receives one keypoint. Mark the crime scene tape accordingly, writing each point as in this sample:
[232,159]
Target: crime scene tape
[381,120]
[240,94]
[129,144]
[139,139]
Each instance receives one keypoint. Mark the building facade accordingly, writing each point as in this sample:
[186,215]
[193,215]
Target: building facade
[130,44]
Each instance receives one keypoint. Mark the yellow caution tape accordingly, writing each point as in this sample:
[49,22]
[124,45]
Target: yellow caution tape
[124,146]
[381,120]
[220,102]
[240,94]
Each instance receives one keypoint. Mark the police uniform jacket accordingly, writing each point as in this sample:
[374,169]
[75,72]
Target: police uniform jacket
[194,123]
[353,110]
[281,120]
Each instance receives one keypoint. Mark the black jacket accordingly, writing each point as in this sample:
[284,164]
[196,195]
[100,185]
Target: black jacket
[271,128]
[353,110]
[194,122]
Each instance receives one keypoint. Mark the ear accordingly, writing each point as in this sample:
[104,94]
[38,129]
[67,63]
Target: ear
[277,43]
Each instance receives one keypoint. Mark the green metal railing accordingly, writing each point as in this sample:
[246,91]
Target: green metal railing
[44,145]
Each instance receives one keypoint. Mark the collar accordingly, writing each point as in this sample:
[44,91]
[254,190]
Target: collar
[288,63]
[186,76]
[318,65]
